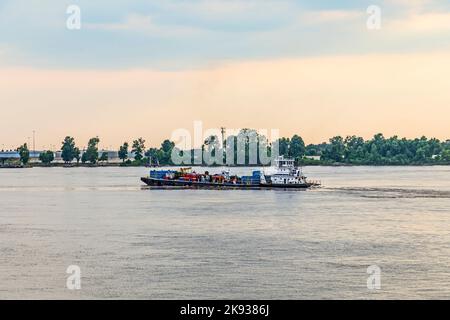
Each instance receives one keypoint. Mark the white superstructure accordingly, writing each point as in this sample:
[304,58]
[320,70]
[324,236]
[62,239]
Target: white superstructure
[285,172]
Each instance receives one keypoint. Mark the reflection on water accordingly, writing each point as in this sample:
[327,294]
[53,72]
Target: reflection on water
[132,242]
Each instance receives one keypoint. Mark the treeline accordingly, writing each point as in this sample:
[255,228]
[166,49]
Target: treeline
[70,153]
[382,151]
[350,150]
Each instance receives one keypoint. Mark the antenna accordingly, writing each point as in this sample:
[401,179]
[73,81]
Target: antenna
[34,143]
[222,130]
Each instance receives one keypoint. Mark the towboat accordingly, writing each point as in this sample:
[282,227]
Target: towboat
[284,175]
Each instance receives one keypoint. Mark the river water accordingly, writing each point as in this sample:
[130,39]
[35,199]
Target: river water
[134,243]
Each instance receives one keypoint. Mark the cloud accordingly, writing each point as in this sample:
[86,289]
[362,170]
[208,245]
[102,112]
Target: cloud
[234,14]
[214,15]
[410,3]
[419,23]
[137,23]
[417,17]
[196,33]
[132,22]
[330,16]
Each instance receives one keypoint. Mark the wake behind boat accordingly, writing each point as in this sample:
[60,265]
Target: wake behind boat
[285,176]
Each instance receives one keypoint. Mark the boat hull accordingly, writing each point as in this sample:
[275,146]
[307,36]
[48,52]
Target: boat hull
[161,183]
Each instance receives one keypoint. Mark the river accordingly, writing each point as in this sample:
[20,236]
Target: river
[134,243]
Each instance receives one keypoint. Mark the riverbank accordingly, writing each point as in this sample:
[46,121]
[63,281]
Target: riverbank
[103,165]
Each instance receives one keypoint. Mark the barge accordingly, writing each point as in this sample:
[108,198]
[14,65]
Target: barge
[285,176]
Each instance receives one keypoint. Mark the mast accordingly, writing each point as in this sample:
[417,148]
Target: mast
[222,130]
[34,143]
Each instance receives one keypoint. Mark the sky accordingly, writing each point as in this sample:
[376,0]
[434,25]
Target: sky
[147,68]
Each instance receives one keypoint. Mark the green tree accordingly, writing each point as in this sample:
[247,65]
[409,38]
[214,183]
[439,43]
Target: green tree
[335,149]
[68,149]
[152,155]
[354,151]
[166,152]
[315,149]
[91,154]
[434,146]
[167,146]
[46,157]
[138,149]
[24,153]
[445,155]
[84,158]
[104,157]
[296,147]
[283,146]
[76,154]
[123,151]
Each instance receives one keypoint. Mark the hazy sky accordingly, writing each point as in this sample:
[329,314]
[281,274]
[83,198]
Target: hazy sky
[145,68]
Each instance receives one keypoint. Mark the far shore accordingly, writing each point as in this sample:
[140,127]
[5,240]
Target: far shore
[104,165]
